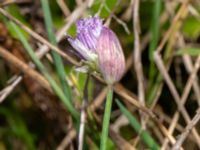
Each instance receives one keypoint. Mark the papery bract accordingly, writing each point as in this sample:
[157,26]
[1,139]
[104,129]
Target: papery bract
[110,56]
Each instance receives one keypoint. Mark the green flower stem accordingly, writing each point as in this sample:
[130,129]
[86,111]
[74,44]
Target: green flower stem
[56,57]
[106,118]
[41,67]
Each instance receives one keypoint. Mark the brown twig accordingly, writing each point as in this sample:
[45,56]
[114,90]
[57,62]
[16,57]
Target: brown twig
[179,101]
[186,91]
[118,20]
[121,143]
[24,68]
[6,91]
[63,7]
[188,128]
[167,119]
[189,67]
[98,100]
[171,129]
[67,140]
[38,37]
[9,2]
[180,15]
[137,57]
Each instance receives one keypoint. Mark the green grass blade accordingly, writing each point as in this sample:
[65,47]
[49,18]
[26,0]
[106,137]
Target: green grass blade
[57,59]
[155,28]
[145,136]
[156,88]
[192,51]
[41,67]
[154,39]
[106,119]
[17,127]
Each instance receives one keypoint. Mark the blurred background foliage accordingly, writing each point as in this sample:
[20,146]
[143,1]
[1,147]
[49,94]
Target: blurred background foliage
[33,118]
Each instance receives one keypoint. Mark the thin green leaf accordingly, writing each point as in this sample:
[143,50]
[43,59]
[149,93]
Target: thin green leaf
[155,28]
[38,63]
[57,59]
[190,51]
[17,127]
[145,136]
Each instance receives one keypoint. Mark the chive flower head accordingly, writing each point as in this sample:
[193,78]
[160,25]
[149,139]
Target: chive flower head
[99,44]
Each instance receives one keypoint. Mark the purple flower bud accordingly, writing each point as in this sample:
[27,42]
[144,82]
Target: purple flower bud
[98,44]
[88,31]
[110,56]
